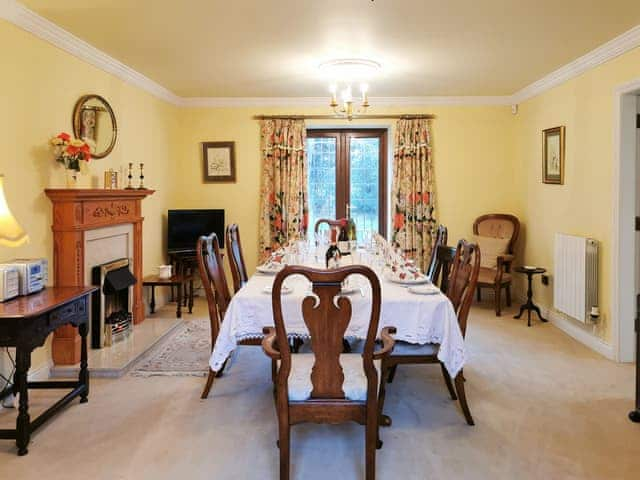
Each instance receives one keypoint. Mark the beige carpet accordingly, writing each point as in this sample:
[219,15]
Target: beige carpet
[545,408]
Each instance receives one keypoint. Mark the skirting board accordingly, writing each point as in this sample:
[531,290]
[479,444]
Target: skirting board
[574,330]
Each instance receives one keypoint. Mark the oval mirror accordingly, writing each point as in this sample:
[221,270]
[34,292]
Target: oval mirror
[95,123]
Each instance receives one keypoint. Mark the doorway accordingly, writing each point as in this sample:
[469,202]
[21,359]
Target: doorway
[347,177]
[626,241]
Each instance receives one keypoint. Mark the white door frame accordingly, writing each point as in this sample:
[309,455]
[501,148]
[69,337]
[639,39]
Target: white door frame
[623,282]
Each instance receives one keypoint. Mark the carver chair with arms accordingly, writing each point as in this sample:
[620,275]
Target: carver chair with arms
[327,385]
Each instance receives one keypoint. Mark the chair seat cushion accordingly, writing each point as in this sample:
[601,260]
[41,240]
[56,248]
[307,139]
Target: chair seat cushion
[355,381]
[490,249]
[408,349]
[488,276]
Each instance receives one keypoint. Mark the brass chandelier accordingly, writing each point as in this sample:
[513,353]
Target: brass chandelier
[344,73]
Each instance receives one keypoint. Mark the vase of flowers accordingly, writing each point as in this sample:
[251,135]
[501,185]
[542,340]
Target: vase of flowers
[73,153]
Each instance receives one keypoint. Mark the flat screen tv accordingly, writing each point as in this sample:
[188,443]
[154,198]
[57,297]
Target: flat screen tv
[185,226]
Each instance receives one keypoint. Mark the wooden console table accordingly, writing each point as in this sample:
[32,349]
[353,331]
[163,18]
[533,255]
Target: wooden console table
[25,323]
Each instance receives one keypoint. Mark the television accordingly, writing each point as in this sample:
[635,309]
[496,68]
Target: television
[185,226]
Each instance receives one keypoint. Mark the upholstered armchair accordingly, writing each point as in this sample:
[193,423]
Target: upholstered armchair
[496,235]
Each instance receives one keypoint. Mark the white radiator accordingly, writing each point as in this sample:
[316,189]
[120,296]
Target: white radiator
[575,286]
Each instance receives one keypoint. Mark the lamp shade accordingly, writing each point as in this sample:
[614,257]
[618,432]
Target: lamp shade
[11,233]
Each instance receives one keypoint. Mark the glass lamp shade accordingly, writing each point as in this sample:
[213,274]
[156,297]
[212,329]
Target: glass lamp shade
[11,233]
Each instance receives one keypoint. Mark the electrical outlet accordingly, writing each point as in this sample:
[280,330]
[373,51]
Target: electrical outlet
[545,279]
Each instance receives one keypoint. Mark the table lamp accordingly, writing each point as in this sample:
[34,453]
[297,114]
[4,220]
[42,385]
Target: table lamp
[11,233]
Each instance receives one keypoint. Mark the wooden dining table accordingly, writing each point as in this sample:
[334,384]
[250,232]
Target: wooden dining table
[418,318]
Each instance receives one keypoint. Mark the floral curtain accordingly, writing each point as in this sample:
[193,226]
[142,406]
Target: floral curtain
[284,197]
[412,194]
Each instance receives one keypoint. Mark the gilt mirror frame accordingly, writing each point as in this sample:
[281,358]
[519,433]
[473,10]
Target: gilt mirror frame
[77,122]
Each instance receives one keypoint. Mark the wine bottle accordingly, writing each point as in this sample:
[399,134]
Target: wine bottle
[343,240]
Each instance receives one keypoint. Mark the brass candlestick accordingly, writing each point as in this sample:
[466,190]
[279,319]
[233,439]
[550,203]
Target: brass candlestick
[130,177]
[141,186]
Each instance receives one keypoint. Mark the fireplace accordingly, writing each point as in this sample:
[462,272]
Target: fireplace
[112,309]
[83,218]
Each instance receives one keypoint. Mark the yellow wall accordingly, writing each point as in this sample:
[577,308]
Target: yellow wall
[583,205]
[486,159]
[40,85]
[473,152]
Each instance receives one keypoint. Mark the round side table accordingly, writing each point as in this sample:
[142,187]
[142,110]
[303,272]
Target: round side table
[530,306]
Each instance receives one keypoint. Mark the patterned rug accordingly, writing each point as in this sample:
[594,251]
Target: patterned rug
[184,353]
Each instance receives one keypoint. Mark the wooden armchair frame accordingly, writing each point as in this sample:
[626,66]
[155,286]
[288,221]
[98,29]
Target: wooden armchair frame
[503,264]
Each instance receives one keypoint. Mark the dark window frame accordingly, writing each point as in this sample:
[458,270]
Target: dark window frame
[343,138]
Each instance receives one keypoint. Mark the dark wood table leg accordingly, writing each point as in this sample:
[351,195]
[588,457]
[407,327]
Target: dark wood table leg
[537,310]
[191,295]
[179,302]
[185,294]
[529,306]
[23,423]
[83,378]
[152,305]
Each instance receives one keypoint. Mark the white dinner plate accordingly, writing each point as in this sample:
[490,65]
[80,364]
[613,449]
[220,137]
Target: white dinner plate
[409,281]
[283,290]
[429,289]
[270,269]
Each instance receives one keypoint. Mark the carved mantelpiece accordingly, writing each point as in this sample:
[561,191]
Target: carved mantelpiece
[76,211]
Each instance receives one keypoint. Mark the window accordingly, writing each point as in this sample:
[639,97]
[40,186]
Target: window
[347,177]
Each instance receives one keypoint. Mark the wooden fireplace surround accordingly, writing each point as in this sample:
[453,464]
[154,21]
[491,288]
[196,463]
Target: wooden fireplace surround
[76,211]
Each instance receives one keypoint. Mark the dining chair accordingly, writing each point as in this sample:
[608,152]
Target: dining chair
[327,385]
[441,239]
[236,259]
[496,235]
[444,257]
[217,293]
[462,284]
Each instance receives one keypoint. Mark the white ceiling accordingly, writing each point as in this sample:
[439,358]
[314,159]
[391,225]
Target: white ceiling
[271,48]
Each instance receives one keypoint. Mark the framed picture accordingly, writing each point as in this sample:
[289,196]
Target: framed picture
[553,155]
[219,161]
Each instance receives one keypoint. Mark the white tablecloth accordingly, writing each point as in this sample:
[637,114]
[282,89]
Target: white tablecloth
[419,319]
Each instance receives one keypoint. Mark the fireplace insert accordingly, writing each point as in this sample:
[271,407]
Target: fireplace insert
[111,312]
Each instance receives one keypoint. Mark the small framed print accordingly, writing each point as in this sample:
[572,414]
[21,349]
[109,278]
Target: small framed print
[553,155]
[219,161]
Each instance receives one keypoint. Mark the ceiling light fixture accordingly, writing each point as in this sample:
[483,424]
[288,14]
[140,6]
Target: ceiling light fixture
[343,73]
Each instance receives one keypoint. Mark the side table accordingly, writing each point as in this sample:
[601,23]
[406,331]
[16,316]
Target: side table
[530,306]
[179,281]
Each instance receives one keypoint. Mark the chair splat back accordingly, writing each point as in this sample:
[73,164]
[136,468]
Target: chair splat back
[463,281]
[445,256]
[236,259]
[213,281]
[441,239]
[327,315]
